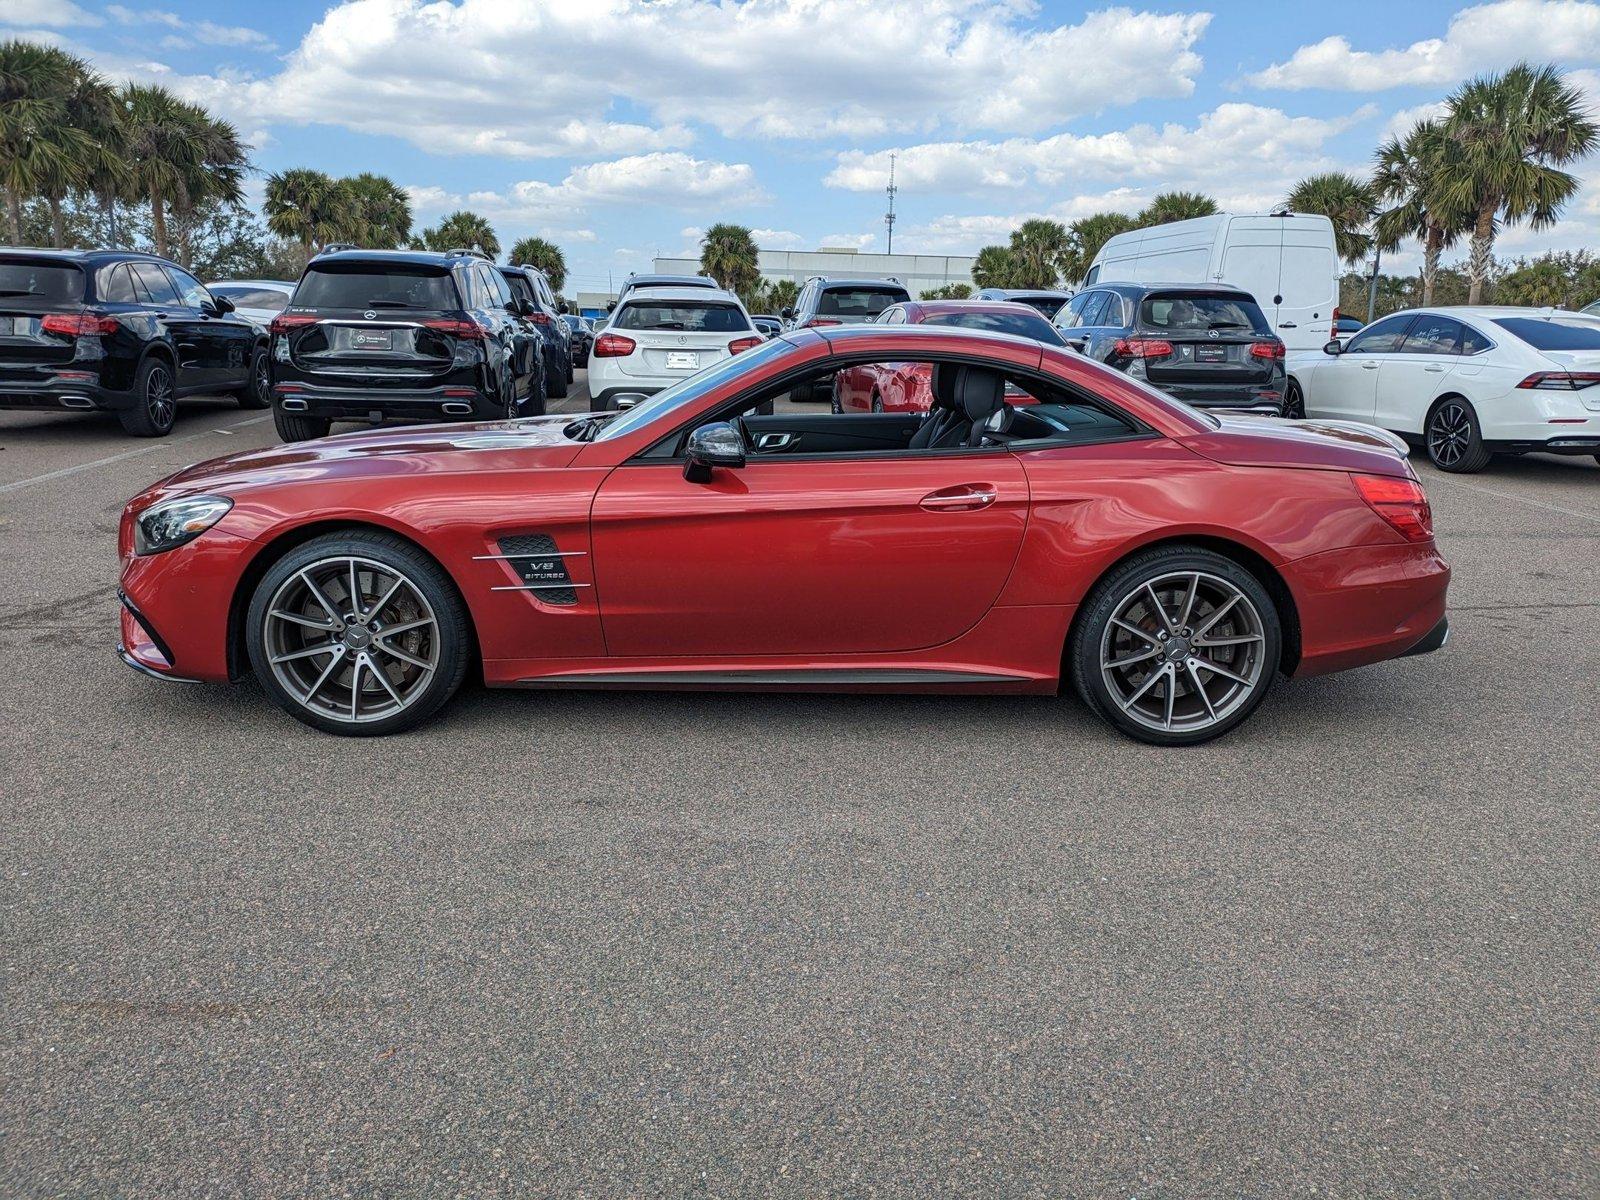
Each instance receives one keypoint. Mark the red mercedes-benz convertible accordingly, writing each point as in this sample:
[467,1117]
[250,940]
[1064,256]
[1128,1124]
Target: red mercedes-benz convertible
[1169,563]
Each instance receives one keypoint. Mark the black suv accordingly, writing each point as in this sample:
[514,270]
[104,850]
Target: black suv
[372,335]
[842,301]
[1209,345]
[115,331]
[530,285]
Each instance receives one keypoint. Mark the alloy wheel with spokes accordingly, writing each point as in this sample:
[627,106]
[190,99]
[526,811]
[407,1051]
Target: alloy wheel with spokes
[1454,441]
[158,399]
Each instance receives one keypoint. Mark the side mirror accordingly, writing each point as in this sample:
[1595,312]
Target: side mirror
[223,305]
[715,445]
[562,308]
[1334,347]
[787,314]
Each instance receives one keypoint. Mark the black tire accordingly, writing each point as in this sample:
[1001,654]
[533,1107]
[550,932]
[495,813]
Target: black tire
[299,427]
[1454,439]
[257,393]
[535,403]
[385,557]
[877,403]
[554,389]
[1294,403]
[155,406]
[1168,569]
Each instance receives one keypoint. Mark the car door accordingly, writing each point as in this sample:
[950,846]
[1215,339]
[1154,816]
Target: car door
[1346,386]
[805,555]
[159,295]
[225,343]
[1413,375]
[1085,320]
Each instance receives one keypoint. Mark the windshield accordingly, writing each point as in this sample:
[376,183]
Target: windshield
[685,391]
[1552,335]
[1016,324]
[689,315]
[860,303]
[35,283]
[1201,313]
[377,285]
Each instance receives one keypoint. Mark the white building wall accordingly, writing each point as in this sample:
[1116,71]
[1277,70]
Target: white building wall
[919,272]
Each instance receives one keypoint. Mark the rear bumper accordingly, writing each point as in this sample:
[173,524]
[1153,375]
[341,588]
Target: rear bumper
[447,402]
[68,394]
[1574,444]
[1266,399]
[606,398]
[1366,604]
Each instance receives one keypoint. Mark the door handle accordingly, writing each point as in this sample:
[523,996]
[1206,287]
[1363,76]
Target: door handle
[1288,325]
[966,498]
[775,441]
[1435,369]
[1369,366]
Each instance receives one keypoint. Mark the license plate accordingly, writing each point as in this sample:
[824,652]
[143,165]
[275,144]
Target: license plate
[1211,354]
[682,360]
[372,339]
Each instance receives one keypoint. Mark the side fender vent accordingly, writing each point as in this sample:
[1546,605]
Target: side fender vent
[534,558]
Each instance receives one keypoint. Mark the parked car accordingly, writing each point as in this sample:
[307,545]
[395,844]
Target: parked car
[115,331]
[677,281]
[1467,383]
[1591,310]
[659,335]
[1286,261]
[1047,300]
[823,302]
[1345,326]
[769,325]
[582,337]
[255,300]
[976,548]
[543,314]
[373,335]
[1207,344]
[908,386]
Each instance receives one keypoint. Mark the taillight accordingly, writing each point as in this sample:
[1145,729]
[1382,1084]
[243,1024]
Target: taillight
[539,318]
[1559,381]
[740,345]
[469,331]
[1267,350]
[1333,330]
[613,345]
[818,322]
[1142,348]
[78,324]
[284,322]
[1400,502]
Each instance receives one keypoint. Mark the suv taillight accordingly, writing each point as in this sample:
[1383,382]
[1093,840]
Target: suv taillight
[539,318]
[613,345]
[1559,381]
[740,345]
[1401,502]
[469,331]
[284,322]
[78,324]
[1142,348]
[1267,350]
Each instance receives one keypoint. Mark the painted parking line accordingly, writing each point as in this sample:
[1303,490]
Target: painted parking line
[157,444]
[1487,491]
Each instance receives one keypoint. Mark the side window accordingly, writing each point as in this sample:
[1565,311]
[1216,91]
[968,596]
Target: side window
[1381,337]
[892,316]
[1093,308]
[520,288]
[1432,335]
[155,285]
[116,286]
[189,289]
[1473,342]
[1094,273]
[1114,313]
[496,285]
[1072,314]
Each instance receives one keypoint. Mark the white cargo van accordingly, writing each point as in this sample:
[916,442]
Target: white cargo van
[1288,263]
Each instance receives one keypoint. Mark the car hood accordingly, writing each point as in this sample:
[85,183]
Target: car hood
[1317,445]
[525,444]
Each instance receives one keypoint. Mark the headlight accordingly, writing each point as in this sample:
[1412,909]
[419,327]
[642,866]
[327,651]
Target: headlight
[171,523]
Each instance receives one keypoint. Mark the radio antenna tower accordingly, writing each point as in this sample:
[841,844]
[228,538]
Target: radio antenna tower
[888,218]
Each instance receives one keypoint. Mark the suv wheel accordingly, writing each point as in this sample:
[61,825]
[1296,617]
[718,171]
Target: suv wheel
[154,409]
[298,427]
[553,387]
[257,393]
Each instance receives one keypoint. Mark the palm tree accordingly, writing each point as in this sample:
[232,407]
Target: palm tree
[1177,206]
[216,175]
[728,254]
[307,206]
[1507,137]
[35,151]
[1345,200]
[1404,177]
[1085,237]
[88,140]
[547,256]
[1038,248]
[178,154]
[380,214]
[994,267]
[779,295]
[463,230]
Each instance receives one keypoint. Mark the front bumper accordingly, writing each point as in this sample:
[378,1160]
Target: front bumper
[176,608]
[450,402]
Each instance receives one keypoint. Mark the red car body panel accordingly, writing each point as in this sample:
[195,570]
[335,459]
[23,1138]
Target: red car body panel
[811,565]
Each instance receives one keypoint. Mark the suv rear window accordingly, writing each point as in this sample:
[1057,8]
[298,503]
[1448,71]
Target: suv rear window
[39,284]
[1015,324]
[680,314]
[858,302]
[1552,335]
[1172,312]
[377,285]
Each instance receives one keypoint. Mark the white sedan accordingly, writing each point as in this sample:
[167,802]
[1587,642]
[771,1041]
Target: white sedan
[256,300]
[1468,383]
[659,335]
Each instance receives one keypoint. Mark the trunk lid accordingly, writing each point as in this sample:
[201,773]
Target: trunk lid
[388,345]
[32,287]
[1313,445]
[1206,359]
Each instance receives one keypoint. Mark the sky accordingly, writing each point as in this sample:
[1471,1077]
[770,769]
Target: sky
[622,128]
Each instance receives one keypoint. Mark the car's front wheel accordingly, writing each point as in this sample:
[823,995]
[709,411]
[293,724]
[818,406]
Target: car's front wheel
[1455,439]
[358,634]
[1178,645]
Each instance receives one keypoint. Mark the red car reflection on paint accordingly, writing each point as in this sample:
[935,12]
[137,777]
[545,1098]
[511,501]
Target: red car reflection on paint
[1170,564]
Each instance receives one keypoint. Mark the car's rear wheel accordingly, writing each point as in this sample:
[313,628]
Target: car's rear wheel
[299,427]
[1455,439]
[257,393]
[155,407]
[358,634]
[1177,646]
[553,387]
[1294,403]
[877,403]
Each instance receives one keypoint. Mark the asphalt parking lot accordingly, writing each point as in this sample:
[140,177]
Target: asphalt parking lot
[578,944]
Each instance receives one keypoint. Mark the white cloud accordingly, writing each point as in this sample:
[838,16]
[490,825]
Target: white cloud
[848,241]
[1479,38]
[208,33]
[45,14]
[778,239]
